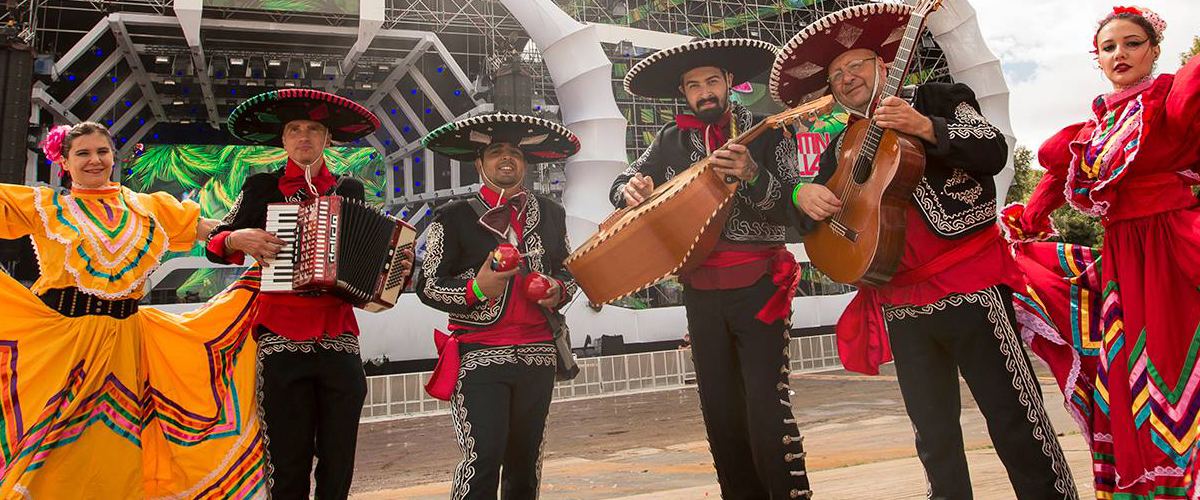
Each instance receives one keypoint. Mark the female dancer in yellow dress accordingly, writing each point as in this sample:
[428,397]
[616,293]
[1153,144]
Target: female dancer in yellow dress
[101,399]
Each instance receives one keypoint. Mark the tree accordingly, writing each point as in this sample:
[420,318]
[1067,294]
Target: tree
[1073,226]
[1026,178]
[1192,51]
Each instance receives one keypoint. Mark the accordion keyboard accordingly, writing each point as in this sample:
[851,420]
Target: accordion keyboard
[281,221]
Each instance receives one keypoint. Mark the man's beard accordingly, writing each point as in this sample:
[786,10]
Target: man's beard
[711,114]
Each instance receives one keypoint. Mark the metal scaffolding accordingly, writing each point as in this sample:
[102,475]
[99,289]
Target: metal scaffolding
[170,71]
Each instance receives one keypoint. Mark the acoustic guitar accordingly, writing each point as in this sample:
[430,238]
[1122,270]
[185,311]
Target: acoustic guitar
[877,172]
[673,231]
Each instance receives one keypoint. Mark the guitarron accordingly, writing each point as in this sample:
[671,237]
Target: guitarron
[673,231]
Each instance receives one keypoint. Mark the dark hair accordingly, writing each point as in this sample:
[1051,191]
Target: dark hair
[1137,19]
[79,130]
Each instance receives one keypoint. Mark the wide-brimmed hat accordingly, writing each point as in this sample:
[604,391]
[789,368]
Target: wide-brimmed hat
[541,140]
[260,119]
[658,74]
[800,73]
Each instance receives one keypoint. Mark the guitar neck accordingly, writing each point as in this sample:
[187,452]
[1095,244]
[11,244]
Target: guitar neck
[749,136]
[904,55]
[895,79]
[819,105]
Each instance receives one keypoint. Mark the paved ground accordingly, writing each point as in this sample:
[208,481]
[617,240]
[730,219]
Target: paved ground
[651,446]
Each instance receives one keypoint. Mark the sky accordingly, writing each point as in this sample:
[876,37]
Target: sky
[1043,47]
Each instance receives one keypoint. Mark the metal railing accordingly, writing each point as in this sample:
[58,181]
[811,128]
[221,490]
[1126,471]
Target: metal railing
[403,395]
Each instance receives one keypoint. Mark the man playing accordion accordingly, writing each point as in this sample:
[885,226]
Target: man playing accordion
[312,382]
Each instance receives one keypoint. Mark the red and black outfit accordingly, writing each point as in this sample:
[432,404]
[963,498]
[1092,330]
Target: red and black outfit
[738,306]
[505,348]
[948,310]
[1122,333]
[312,383]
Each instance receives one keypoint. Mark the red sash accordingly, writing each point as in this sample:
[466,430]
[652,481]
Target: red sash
[861,331]
[785,273]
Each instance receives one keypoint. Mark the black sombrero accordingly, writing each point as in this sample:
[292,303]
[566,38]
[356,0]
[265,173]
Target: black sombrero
[658,74]
[260,119]
[800,73]
[541,140]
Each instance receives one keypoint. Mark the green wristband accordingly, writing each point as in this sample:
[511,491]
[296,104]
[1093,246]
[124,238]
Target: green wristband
[796,194]
[478,293]
[753,181]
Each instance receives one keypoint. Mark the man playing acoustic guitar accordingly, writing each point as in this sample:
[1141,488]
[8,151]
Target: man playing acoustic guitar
[738,301]
[948,308]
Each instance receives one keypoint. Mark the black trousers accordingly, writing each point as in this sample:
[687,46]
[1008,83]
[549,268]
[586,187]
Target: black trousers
[499,409]
[742,373]
[975,334]
[311,399]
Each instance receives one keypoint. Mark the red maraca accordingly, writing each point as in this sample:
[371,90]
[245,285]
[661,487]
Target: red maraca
[538,286]
[505,257]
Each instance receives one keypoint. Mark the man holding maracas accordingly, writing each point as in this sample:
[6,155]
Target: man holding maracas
[494,262]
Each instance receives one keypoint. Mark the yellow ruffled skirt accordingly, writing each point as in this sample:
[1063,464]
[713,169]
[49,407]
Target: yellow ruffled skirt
[156,405]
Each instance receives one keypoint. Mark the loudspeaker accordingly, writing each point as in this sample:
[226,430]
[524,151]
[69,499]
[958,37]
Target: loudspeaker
[611,345]
[16,86]
[513,92]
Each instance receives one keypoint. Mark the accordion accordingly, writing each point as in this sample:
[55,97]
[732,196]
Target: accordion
[339,246]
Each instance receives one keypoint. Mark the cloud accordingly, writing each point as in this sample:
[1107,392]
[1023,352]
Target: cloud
[1043,47]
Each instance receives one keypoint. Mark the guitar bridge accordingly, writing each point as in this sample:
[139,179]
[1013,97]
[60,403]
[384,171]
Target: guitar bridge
[843,231]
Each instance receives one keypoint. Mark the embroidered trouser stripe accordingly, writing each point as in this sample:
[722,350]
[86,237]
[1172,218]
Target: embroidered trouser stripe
[974,334]
[496,383]
[741,370]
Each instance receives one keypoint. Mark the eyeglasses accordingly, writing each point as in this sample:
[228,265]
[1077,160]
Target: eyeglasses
[854,67]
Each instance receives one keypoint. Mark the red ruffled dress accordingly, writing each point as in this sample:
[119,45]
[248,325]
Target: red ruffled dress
[1122,333]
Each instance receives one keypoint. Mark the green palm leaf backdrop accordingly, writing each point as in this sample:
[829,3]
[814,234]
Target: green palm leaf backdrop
[212,175]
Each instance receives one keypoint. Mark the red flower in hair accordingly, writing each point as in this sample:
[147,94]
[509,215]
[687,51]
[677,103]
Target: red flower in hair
[1150,16]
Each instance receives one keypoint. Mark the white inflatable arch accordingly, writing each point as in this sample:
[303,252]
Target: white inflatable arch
[582,77]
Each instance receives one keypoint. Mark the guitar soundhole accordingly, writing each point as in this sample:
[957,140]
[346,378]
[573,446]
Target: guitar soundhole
[862,169]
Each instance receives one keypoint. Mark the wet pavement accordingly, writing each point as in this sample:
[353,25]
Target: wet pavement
[652,446]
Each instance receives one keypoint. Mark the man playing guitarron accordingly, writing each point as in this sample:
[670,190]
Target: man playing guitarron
[738,301]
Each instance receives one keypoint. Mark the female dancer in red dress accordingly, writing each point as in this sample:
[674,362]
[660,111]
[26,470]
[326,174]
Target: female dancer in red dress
[1121,333]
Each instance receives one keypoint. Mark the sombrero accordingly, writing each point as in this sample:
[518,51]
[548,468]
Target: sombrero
[658,74]
[800,72]
[260,119]
[541,140]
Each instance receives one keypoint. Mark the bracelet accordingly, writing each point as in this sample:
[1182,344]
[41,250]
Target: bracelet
[478,293]
[796,194]
[752,182]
